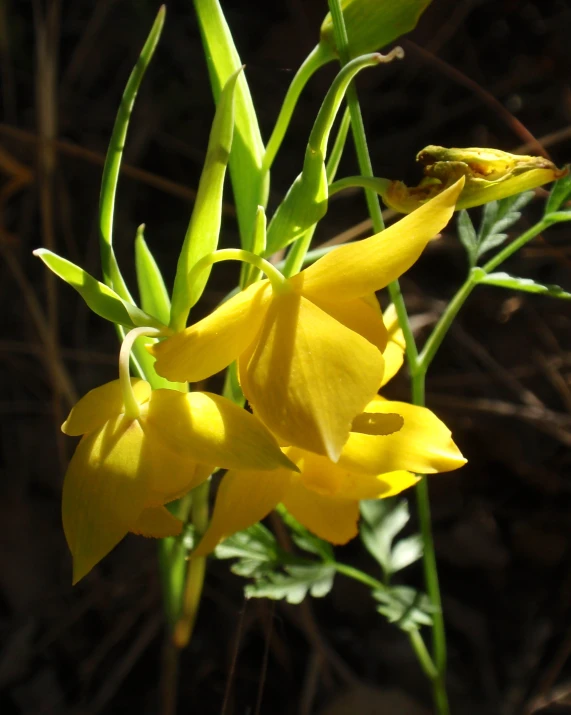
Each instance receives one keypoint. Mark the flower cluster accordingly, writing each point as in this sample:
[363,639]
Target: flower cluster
[312,352]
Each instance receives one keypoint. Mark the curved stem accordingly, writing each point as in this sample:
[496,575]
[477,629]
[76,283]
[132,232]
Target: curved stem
[357,575]
[316,59]
[132,409]
[424,658]
[276,277]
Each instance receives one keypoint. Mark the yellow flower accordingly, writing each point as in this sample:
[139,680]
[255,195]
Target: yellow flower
[309,354]
[125,469]
[490,175]
[388,444]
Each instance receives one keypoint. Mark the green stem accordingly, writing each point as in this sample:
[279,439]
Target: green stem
[514,246]
[358,575]
[184,626]
[446,319]
[366,169]
[424,658]
[297,255]
[316,59]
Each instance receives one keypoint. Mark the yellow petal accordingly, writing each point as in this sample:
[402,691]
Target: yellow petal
[101,404]
[210,429]
[360,315]
[375,423]
[423,445]
[157,522]
[308,376]
[366,266]
[213,343]
[104,492]
[243,499]
[394,352]
[199,474]
[329,518]
[320,475]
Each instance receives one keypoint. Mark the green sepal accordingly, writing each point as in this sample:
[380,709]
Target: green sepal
[110,268]
[100,298]
[505,280]
[249,182]
[152,290]
[372,24]
[306,201]
[204,227]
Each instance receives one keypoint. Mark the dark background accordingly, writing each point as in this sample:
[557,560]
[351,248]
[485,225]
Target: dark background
[476,73]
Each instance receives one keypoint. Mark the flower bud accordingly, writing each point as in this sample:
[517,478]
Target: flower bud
[373,24]
[490,175]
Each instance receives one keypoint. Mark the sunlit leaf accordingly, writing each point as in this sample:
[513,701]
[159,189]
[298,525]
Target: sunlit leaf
[504,280]
[100,298]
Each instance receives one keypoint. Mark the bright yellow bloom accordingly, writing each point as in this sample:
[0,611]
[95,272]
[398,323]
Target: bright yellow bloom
[309,353]
[124,470]
[388,444]
[490,175]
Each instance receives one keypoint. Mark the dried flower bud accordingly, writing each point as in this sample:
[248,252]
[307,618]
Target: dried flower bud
[490,175]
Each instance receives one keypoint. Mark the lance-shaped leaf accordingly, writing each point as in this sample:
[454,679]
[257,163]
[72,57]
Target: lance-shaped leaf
[504,280]
[154,301]
[111,273]
[249,182]
[306,201]
[99,297]
[154,296]
[372,24]
[204,227]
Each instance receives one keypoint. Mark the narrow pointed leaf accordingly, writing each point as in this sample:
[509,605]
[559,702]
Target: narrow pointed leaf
[250,184]
[102,300]
[204,228]
[154,296]
[111,273]
[306,201]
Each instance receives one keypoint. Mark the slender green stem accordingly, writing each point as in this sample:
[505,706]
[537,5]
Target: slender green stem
[447,318]
[424,658]
[316,59]
[275,276]
[358,575]
[514,246]
[373,204]
[184,627]
[441,328]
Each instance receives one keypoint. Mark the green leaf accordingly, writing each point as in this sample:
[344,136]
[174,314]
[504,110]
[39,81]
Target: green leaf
[405,607]
[497,217]
[560,193]
[204,227]
[249,182]
[294,585]
[306,201]
[100,298]
[154,296]
[383,519]
[504,280]
[468,236]
[373,24]
[111,273]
